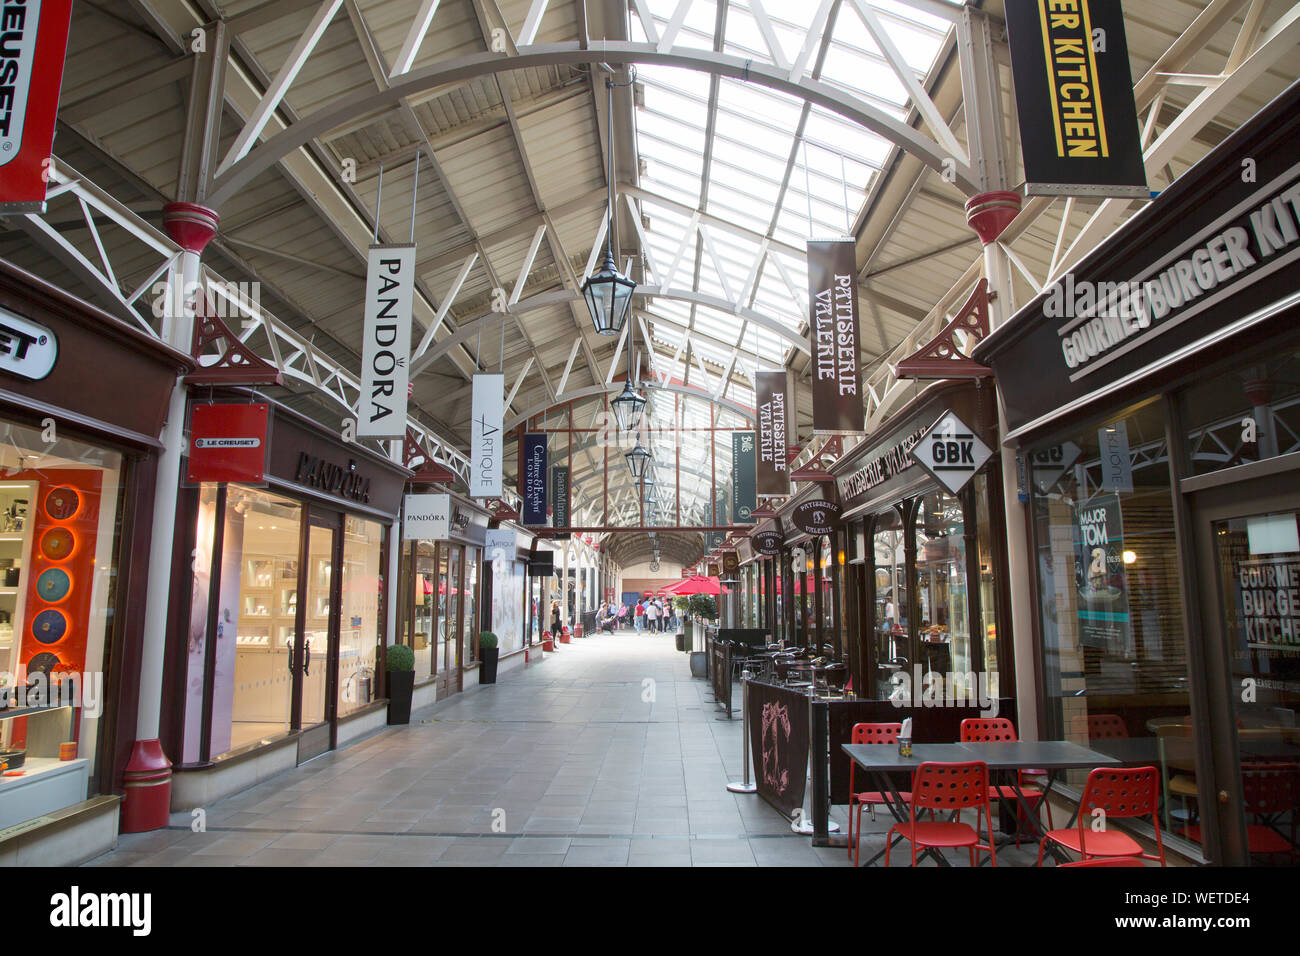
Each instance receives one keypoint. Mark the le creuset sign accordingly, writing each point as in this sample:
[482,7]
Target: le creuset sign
[33,45]
[951,452]
[27,349]
[228,443]
[816,517]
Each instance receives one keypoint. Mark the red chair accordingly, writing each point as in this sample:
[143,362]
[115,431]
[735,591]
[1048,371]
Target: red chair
[868,734]
[1108,861]
[951,787]
[1119,794]
[982,730]
[1268,790]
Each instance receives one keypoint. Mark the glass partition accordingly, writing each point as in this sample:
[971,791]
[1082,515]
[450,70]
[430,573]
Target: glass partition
[363,543]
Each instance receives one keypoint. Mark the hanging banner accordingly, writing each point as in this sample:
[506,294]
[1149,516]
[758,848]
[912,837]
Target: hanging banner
[486,435]
[743,477]
[951,452]
[33,44]
[1100,576]
[560,490]
[773,400]
[499,548]
[227,443]
[838,408]
[533,483]
[1074,99]
[1116,463]
[426,517]
[386,349]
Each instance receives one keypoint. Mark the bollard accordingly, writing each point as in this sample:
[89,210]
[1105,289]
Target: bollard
[746,785]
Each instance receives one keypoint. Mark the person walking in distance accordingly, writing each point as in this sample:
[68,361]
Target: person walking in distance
[652,616]
[639,613]
[555,620]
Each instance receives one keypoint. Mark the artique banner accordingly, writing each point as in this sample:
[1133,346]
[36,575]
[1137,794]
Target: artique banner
[533,489]
[1074,99]
[486,435]
[386,347]
[838,408]
[33,45]
[773,472]
[743,480]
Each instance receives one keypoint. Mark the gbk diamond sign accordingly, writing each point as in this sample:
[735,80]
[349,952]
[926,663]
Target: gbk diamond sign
[951,452]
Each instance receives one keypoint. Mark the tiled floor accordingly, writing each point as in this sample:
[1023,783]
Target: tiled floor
[606,754]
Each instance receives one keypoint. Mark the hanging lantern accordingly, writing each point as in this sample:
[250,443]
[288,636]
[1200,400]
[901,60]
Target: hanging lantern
[629,405]
[638,460]
[607,292]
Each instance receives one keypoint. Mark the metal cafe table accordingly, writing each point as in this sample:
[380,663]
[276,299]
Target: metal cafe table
[883,762]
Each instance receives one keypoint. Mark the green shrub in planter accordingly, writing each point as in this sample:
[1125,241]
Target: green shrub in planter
[399,661]
[399,658]
[488,656]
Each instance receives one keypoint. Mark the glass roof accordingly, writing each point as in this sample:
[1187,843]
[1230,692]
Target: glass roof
[757,180]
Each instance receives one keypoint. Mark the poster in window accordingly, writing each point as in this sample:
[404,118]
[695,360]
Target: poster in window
[1101,582]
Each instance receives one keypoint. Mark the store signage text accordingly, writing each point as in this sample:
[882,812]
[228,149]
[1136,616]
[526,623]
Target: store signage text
[816,517]
[767,543]
[333,479]
[772,466]
[486,434]
[26,348]
[833,325]
[33,44]
[951,452]
[534,480]
[228,443]
[1270,601]
[1110,318]
[881,468]
[426,517]
[386,351]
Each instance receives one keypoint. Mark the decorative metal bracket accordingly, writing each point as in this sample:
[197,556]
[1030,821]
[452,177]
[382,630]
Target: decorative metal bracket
[940,357]
[427,471]
[237,364]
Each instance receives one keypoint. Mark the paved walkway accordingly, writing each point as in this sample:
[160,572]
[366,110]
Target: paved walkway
[605,754]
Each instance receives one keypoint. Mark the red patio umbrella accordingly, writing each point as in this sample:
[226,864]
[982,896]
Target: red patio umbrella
[698,584]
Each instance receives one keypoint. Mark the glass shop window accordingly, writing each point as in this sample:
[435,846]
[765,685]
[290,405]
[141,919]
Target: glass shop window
[1251,413]
[942,600]
[890,644]
[363,544]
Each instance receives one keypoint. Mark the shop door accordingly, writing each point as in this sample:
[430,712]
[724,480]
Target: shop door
[450,594]
[1248,551]
[316,653]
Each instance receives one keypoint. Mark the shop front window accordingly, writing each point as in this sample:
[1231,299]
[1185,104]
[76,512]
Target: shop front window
[508,604]
[942,600]
[1114,641]
[197,634]
[1251,413]
[470,628]
[256,610]
[60,514]
[988,605]
[890,645]
[363,543]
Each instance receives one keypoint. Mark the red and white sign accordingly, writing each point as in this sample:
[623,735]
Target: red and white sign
[227,443]
[33,44]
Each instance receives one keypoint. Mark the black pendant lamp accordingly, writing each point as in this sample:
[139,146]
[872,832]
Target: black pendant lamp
[630,404]
[638,460]
[607,292]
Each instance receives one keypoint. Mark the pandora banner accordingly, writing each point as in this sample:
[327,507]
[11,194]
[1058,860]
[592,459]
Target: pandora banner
[773,401]
[838,408]
[386,349]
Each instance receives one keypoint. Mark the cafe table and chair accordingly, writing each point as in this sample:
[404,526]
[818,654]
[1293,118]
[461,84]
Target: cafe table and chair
[1051,757]
[947,787]
[1111,794]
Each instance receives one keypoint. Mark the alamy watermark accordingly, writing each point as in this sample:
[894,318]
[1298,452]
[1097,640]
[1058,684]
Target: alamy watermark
[84,690]
[939,689]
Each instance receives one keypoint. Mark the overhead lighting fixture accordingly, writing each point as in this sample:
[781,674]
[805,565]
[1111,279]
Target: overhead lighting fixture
[630,404]
[607,292]
[638,460]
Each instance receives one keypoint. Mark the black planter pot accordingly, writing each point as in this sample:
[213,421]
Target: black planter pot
[401,684]
[487,667]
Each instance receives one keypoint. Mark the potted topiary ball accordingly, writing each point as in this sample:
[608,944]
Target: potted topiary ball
[399,661]
[488,655]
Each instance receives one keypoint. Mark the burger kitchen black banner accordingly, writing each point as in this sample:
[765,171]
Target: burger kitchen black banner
[778,740]
[1074,96]
[773,401]
[533,490]
[838,408]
